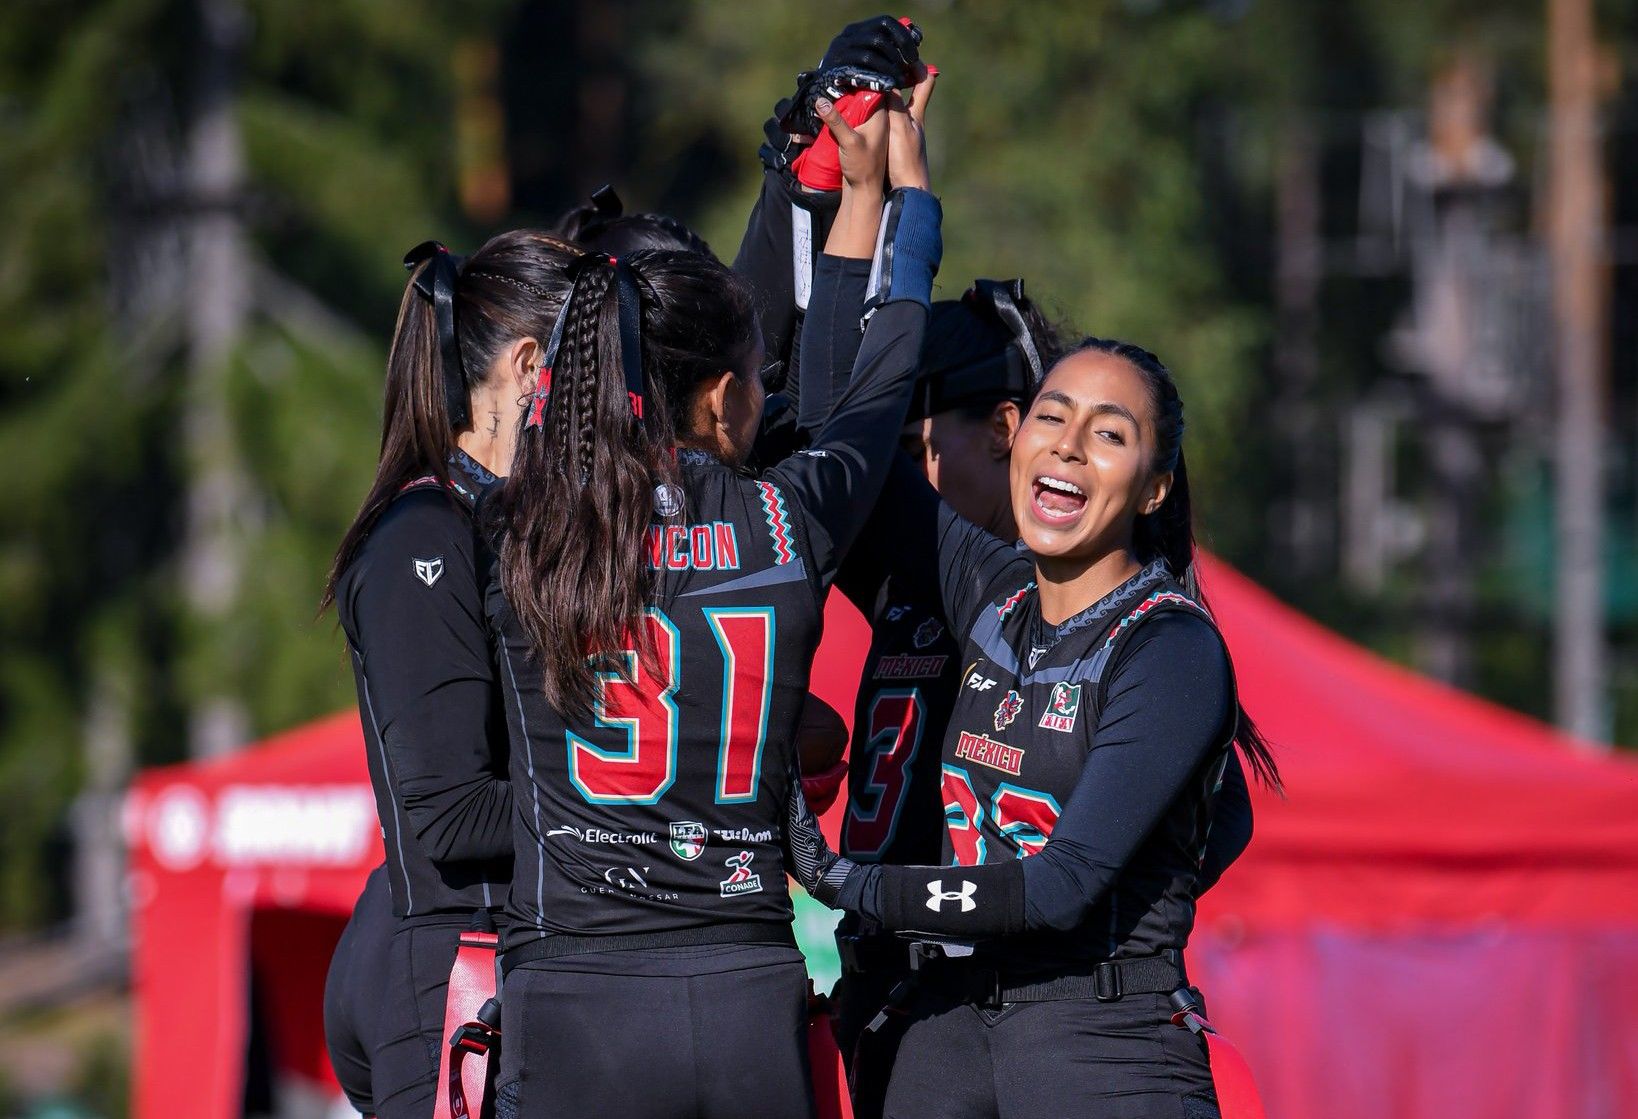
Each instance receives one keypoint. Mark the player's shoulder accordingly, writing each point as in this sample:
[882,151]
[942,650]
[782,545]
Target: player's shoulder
[420,514]
[1174,639]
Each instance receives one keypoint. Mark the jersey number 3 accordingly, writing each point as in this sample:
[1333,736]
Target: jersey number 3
[639,702]
[896,719]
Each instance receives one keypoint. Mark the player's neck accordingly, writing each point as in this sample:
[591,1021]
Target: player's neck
[1068,588]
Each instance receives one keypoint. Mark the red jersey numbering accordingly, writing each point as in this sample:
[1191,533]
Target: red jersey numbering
[638,701]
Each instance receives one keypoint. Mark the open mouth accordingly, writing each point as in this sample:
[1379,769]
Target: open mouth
[1057,501]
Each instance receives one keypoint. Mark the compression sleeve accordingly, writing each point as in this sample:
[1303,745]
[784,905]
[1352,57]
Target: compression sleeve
[831,335]
[837,480]
[1170,708]
[786,228]
[415,617]
[1230,825]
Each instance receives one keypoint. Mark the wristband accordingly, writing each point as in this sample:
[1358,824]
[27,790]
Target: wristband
[908,249]
[977,901]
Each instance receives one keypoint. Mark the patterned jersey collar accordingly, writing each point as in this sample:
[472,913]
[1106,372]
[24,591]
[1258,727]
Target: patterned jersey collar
[1045,636]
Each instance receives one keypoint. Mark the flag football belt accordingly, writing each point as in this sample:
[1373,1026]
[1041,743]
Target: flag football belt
[472,1026]
[1105,981]
[553,945]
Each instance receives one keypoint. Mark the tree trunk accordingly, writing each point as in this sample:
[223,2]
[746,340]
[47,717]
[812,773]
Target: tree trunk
[1575,221]
[216,302]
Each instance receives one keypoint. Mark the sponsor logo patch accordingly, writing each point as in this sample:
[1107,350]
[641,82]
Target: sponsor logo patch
[905,666]
[1007,710]
[939,895]
[688,840]
[743,835]
[429,571]
[603,835]
[630,881]
[987,751]
[1062,706]
[978,682]
[740,880]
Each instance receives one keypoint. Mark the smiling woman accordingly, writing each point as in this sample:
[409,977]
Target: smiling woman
[1092,734]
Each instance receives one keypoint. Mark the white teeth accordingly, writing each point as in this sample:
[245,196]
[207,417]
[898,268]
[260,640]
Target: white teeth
[1060,485]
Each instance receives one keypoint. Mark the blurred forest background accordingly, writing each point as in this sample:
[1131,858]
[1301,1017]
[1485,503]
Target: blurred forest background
[1337,222]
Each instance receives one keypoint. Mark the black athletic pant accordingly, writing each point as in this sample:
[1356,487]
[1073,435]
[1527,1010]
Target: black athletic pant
[384,1004]
[706,1032]
[858,998]
[1045,1060]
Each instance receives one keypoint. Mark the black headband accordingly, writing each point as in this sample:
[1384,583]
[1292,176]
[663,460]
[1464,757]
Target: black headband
[1003,297]
[436,284]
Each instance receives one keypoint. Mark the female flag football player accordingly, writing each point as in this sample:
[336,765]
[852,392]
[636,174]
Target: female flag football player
[657,610]
[469,338]
[982,358]
[1094,721]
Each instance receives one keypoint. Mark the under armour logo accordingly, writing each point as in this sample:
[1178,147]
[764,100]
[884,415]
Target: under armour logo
[940,895]
[429,570]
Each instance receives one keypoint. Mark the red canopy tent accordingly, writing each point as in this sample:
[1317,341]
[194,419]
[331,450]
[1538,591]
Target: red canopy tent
[1442,918]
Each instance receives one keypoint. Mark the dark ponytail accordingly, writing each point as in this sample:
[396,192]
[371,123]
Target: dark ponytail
[511,288]
[1168,532]
[573,515]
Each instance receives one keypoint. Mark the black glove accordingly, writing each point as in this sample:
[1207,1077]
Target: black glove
[881,49]
[878,53]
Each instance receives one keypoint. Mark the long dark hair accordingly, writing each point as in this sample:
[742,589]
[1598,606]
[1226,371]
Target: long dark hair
[572,516]
[1168,532]
[511,288]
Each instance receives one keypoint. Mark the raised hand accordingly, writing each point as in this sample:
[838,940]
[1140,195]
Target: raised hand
[863,148]
[907,135]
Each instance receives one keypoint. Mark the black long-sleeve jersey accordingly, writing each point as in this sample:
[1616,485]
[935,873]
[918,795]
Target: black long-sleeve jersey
[914,668]
[1094,747]
[783,238]
[410,603]
[675,804]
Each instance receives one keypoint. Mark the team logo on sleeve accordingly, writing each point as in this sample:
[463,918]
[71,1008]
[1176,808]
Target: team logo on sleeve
[1062,706]
[429,571]
[740,880]
[927,633]
[688,840]
[1008,709]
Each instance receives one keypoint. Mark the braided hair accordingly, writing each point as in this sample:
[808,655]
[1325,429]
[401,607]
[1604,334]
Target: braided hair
[572,517]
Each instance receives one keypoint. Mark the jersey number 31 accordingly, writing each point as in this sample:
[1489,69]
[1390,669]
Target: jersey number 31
[639,703]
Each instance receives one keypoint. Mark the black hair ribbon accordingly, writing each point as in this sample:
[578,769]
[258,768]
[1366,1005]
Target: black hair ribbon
[436,284]
[543,385]
[631,333]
